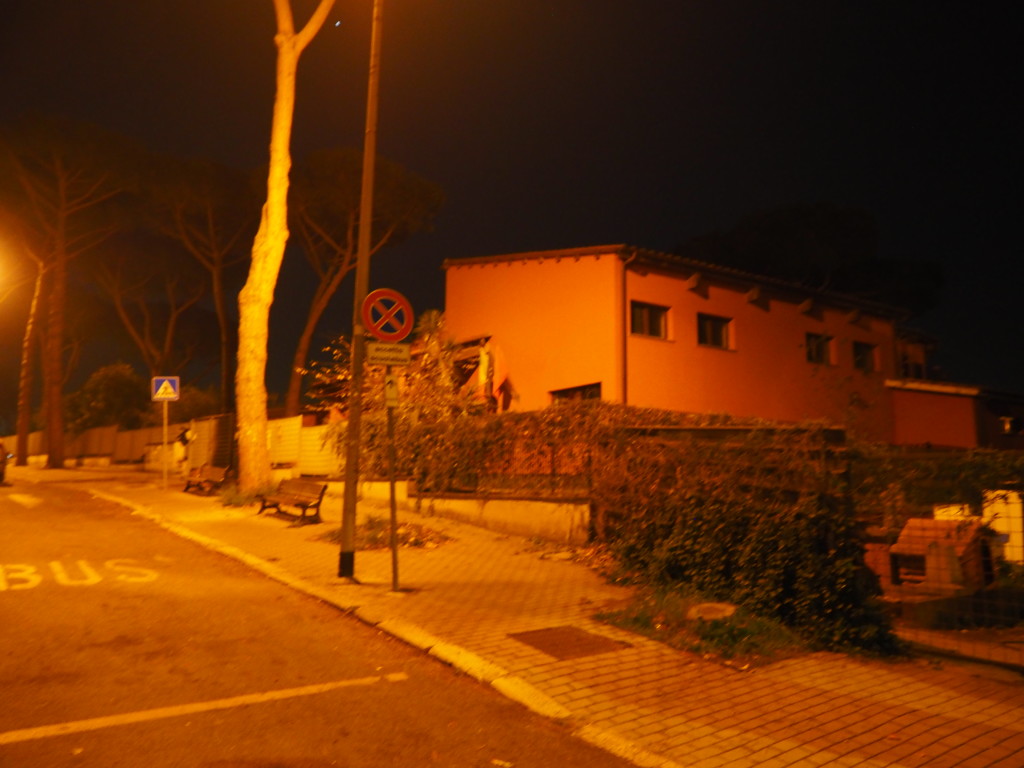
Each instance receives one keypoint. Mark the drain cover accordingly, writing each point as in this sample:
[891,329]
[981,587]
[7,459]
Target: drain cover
[567,642]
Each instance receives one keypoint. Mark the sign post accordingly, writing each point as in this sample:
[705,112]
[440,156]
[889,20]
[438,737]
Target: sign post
[391,400]
[346,558]
[164,389]
[387,316]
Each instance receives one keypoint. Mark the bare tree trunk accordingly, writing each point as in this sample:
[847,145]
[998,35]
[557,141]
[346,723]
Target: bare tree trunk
[292,402]
[25,373]
[226,399]
[53,368]
[267,253]
[63,172]
[293,398]
[250,378]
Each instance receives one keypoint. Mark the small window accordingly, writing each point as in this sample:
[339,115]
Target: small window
[713,331]
[819,349]
[585,392]
[864,357]
[648,319]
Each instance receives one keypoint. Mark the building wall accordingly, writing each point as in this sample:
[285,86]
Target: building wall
[764,371]
[564,322]
[557,323]
[939,418]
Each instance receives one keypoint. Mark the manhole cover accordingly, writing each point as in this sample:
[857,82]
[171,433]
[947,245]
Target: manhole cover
[567,642]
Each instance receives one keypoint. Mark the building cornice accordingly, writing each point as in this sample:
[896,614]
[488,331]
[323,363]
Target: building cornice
[934,387]
[641,260]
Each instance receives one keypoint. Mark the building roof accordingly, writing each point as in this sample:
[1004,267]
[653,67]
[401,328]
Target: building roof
[641,259]
[919,532]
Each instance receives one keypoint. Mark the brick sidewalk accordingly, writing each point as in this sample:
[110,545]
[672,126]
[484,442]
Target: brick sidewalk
[465,599]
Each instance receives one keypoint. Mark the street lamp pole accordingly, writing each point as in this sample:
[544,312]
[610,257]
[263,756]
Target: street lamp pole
[347,555]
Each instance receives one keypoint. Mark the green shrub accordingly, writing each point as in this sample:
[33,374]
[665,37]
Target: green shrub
[768,517]
[759,521]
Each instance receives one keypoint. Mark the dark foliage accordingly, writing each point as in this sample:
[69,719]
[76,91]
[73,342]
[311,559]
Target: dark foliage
[823,247]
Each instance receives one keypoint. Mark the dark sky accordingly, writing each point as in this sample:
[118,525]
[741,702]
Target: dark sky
[564,123]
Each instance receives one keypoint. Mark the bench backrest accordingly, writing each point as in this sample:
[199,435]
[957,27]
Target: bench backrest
[295,486]
[213,473]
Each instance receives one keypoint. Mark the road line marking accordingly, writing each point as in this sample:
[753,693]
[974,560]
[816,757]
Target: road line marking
[128,718]
[26,500]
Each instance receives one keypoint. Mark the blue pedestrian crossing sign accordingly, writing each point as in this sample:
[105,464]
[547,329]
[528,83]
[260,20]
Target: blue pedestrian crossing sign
[165,388]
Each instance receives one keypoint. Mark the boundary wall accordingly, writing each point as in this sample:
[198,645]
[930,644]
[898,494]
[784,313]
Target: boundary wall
[302,450]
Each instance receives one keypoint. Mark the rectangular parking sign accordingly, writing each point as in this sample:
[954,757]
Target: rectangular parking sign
[165,388]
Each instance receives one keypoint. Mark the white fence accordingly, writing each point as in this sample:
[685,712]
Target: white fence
[297,450]
[302,450]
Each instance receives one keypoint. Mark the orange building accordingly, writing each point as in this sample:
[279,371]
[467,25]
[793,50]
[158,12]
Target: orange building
[649,329]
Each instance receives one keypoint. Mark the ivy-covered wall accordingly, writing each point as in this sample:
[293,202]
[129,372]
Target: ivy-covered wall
[771,517]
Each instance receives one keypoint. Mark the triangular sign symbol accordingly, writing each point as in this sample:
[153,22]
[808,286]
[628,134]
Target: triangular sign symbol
[166,389]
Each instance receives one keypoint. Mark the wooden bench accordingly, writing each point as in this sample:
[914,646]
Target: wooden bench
[306,495]
[206,479]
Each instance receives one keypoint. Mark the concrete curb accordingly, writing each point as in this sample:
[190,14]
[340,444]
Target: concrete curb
[468,662]
[409,633]
[271,570]
[519,690]
[510,686]
[623,748]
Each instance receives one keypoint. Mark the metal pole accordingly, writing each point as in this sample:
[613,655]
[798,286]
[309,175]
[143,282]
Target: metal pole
[165,445]
[347,555]
[391,483]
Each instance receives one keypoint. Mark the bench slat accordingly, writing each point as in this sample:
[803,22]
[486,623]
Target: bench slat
[306,495]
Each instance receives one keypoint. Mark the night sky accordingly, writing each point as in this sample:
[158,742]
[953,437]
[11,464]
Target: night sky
[565,123]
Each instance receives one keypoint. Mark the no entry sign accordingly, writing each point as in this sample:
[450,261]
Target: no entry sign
[387,315]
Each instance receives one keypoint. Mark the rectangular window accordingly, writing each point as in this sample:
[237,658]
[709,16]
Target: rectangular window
[585,392]
[648,319]
[713,331]
[864,357]
[819,349]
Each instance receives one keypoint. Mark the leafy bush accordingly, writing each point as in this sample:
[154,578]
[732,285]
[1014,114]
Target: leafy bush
[767,517]
[113,395]
[759,520]
[889,485]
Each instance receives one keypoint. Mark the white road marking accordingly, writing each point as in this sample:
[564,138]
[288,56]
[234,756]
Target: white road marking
[26,500]
[127,718]
[81,573]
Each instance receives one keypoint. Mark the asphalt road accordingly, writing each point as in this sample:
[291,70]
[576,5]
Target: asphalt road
[123,645]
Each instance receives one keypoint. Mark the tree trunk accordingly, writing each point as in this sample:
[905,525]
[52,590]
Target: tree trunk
[258,292]
[25,373]
[292,402]
[53,369]
[226,400]
[250,377]
[293,399]
[267,252]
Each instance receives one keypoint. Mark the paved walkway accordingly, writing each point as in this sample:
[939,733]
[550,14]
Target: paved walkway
[463,601]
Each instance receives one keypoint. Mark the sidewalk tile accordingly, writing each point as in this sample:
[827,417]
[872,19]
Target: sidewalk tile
[473,591]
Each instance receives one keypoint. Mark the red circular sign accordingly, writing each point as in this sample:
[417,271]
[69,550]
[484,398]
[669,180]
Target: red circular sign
[387,315]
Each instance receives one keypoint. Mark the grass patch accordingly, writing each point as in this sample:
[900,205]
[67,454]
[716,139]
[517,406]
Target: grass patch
[740,640]
[375,533]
